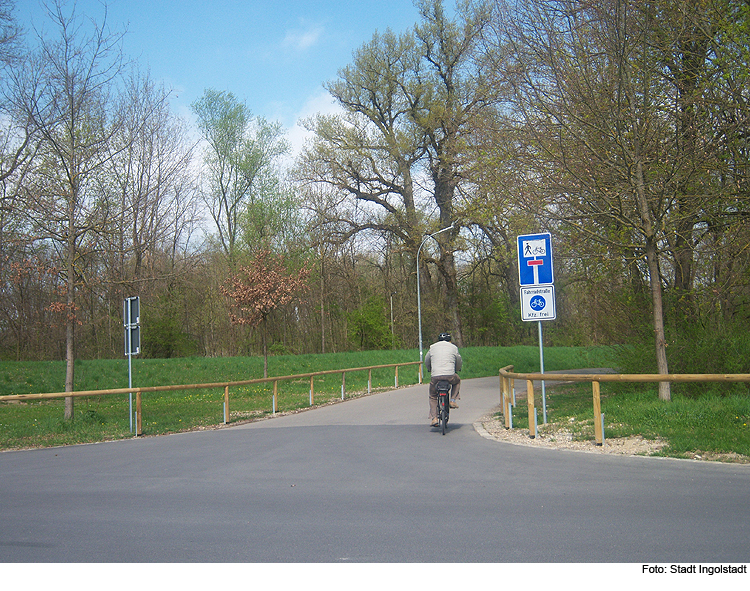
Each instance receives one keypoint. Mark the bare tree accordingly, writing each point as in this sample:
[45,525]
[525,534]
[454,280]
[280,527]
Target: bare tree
[611,100]
[11,35]
[17,138]
[64,92]
[151,179]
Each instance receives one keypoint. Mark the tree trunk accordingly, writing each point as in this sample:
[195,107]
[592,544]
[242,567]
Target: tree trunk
[448,269]
[444,190]
[322,302]
[655,282]
[265,348]
[659,336]
[70,309]
[69,367]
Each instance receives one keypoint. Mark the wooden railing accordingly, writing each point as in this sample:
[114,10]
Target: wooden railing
[225,385]
[506,387]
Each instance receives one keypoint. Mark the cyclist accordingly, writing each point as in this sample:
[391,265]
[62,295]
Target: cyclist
[443,361]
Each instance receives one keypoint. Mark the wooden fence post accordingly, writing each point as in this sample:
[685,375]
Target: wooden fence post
[530,403]
[504,402]
[343,384]
[226,405]
[138,414]
[369,381]
[396,377]
[312,398]
[597,414]
[275,393]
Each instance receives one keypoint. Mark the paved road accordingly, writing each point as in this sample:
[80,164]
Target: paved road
[365,481]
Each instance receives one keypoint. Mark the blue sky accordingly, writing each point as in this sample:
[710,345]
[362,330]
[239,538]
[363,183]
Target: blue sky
[274,55]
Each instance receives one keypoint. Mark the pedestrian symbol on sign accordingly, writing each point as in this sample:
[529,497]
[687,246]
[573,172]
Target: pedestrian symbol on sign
[534,248]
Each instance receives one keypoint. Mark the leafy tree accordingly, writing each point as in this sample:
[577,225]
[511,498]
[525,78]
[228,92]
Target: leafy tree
[274,221]
[456,98]
[368,154]
[368,326]
[240,157]
[410,101]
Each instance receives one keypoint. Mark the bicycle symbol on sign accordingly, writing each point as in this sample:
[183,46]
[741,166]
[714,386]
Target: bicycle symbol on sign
[537,303]
[534,248]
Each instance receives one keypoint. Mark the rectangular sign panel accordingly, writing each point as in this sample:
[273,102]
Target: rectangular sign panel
[538,303]
[131,312]
[132,340]
[535,259]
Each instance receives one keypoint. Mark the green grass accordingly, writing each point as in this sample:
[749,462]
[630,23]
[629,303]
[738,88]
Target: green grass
[100,418]
[714,424]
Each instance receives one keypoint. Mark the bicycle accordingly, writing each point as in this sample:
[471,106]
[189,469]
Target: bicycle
[443,390]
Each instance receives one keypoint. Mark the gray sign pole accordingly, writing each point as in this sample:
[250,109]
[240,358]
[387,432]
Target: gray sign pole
[541,364]
[131,320]
[536,277]
[130,384]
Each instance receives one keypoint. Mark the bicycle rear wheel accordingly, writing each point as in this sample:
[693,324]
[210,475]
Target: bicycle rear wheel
[444,409]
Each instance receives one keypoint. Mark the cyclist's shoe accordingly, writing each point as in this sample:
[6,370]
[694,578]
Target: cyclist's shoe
[454,404]
[434,422]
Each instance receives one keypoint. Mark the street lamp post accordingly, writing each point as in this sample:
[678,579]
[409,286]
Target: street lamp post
[393,343]
[419,296]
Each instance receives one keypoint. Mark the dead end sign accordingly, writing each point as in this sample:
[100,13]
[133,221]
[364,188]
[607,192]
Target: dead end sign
[535,259]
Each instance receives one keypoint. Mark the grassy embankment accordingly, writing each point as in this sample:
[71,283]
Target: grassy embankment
[711,422]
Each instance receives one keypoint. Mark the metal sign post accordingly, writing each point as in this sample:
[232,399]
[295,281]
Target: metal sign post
[131,315]
[536,277]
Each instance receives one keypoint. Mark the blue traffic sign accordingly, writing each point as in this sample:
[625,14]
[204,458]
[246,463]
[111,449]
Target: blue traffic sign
[535,259]
[537,303]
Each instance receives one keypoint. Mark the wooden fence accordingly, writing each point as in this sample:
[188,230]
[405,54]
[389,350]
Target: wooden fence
[223,385]
[506,386]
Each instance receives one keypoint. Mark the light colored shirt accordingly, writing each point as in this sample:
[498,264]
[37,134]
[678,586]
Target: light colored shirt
[443,359]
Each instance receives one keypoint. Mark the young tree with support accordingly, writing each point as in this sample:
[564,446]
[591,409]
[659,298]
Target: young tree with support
[261,287]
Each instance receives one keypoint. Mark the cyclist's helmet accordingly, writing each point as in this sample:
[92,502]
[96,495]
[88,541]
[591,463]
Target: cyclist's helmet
[444,336]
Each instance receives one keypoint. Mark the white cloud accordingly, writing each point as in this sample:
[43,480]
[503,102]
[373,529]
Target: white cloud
[320,103]
[300,40]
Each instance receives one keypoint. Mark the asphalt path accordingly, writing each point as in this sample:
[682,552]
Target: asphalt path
[364,481]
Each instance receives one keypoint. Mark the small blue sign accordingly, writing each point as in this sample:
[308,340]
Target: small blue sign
[537,303]
[535,259]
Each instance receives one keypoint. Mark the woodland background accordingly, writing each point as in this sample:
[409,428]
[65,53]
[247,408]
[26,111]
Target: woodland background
[619,126]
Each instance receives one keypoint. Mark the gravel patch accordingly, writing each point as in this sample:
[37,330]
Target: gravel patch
[559,437]
[552,436]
